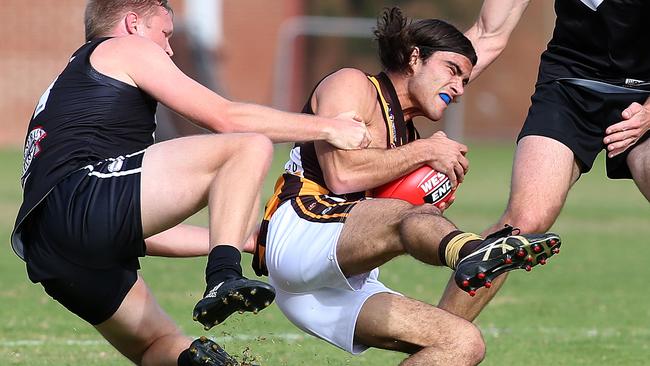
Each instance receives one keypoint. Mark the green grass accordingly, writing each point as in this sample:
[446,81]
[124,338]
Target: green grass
[589,306]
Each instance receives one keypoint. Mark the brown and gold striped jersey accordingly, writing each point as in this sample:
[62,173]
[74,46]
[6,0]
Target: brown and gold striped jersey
[303,183]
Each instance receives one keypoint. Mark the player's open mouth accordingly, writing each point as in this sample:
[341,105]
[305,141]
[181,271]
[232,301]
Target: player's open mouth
[445,98]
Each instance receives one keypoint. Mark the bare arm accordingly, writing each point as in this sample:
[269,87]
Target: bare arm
[492,29]
[150,68]
[359,170]
[186,241]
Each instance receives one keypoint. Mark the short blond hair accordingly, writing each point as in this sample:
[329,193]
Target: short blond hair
[101,15]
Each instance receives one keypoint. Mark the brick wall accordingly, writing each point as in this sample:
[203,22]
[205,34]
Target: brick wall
[38,36]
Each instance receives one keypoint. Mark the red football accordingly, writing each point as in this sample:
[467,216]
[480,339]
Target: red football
[423,185]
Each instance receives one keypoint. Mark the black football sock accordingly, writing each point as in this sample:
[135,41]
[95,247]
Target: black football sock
[184,358]
[223,263]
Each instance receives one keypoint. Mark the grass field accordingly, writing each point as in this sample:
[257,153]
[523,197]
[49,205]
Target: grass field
[588,306]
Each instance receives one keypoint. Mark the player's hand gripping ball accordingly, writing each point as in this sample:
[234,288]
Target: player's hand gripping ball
[423,185]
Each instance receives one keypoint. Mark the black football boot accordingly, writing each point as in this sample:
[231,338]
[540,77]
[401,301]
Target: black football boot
[501,252]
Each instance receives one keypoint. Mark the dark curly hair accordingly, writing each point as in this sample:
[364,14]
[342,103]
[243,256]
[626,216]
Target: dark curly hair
[397,36]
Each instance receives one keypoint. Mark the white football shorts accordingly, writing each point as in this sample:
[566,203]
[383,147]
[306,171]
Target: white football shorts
[311,290]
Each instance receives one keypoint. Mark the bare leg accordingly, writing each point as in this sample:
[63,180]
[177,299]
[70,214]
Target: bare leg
[543,172]
[432,336]
[639,162]
[226,172]
[142,331]
[379,230]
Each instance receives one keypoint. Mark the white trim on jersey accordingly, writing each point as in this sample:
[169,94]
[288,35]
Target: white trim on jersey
[592,4]
[136,153]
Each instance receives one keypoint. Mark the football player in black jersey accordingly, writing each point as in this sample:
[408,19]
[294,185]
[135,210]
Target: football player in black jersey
[96,187]
[591,94]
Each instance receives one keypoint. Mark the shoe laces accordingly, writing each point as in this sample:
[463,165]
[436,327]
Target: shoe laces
[506,231]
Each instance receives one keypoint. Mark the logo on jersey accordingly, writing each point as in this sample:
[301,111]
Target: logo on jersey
[116,164]
[32,148]
[634,82]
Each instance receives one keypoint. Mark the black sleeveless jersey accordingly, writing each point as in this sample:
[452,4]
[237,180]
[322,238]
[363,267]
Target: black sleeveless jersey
[604,40]
[83,117]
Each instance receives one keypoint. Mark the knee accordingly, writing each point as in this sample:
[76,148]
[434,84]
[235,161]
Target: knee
[252,152]
[529,221]
[415,218]
[416,223]
[165,347]
[468,345]
[638,160]
[462,345]
[256,147]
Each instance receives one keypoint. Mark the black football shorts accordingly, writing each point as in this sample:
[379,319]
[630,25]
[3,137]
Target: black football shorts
[576,113]
[83,241]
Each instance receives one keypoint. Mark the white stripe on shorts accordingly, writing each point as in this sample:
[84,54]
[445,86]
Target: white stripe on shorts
[116,173]
[110,175]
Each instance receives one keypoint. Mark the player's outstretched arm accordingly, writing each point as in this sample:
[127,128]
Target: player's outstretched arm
[492,29]
[153,71]
[187,241]
[345,130]
[180,241]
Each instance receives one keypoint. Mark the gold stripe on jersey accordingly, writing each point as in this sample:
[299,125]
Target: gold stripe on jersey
[288,183]
[311,188]
[314,208]
[273,202]
[320,200]
[388,117]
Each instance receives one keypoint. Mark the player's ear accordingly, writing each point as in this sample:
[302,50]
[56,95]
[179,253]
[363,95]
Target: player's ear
[414,58]
[131,22]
